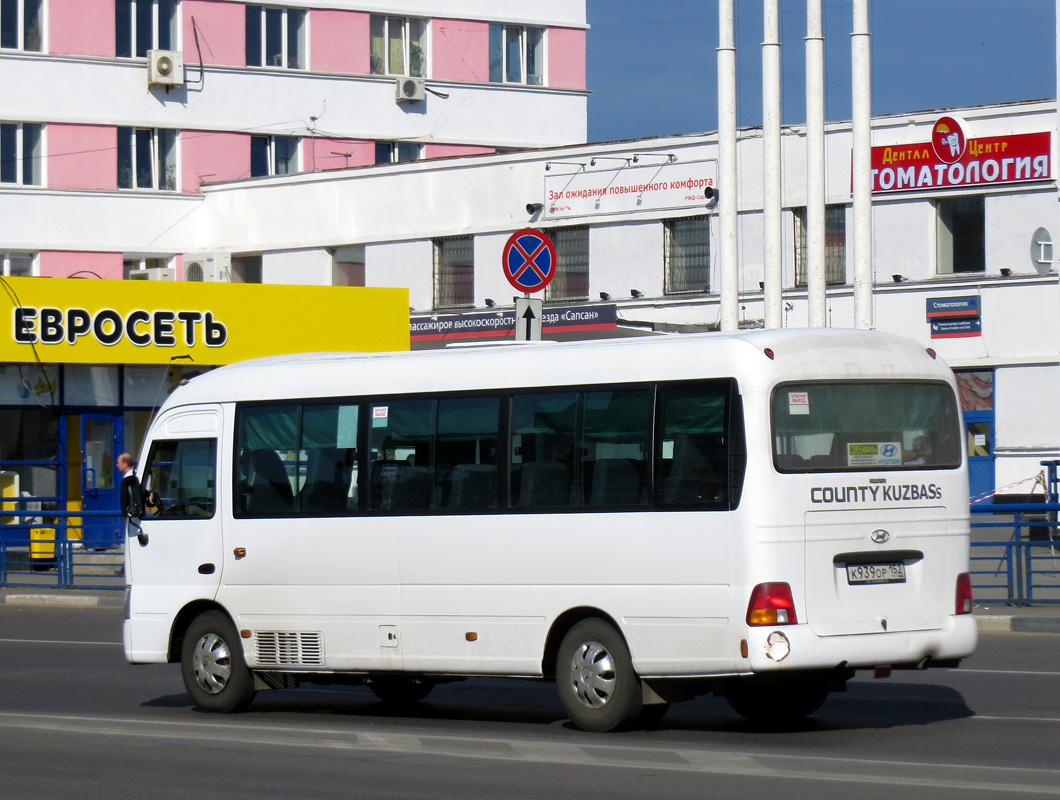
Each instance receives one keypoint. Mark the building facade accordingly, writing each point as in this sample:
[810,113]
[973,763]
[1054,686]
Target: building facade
[964,209]
[328,145]
[116,113]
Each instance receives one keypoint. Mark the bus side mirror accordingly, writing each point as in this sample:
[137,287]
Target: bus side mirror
[131,497]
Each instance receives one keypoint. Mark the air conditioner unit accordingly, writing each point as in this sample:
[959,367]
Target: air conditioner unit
[409,89]
[153,274]
[165,68]
[208,267]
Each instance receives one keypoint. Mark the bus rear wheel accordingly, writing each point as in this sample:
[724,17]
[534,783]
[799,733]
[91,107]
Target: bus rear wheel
[775,705]
[597,685]
[212,665]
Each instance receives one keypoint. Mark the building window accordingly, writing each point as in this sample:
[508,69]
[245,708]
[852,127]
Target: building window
[687,255]
[276,37]
[517,54]
[398,46]
[961,235]
[246,269]
[142,25]
[273,155]
[147,159]
[454,272]
[392,152]
[22,25]
[572,264]
[16,265]
[21,156]
[835,245]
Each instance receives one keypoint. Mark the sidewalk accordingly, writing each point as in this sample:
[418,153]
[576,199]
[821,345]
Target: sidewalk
[992,618]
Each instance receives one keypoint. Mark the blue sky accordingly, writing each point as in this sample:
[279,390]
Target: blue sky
[652,66]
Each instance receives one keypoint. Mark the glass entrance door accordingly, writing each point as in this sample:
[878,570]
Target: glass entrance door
[101,442]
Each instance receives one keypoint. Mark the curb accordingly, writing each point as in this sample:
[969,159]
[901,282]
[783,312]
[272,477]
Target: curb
[62,600]
[1005,623]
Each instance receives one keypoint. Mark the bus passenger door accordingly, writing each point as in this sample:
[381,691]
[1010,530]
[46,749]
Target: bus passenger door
[174,552]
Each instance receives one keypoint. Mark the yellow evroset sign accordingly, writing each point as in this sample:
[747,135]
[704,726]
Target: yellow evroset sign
[84,321]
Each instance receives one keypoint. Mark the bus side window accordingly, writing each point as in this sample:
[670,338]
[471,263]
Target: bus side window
[180,479]
[693,451]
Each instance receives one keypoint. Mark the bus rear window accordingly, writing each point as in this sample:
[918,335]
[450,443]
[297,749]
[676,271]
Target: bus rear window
[846,426]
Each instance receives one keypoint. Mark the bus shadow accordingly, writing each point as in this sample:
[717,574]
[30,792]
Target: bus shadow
[863,706]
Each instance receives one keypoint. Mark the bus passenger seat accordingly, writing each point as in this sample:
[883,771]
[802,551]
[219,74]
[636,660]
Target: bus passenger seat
[692,478]
[616,482]
[544,483]
[271,488]
[473,486]
[325,487]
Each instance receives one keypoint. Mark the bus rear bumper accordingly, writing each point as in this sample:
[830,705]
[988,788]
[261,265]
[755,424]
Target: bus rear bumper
[796,647]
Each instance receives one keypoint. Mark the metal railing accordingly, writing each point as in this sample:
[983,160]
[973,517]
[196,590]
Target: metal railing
[60,550]
[1023,569]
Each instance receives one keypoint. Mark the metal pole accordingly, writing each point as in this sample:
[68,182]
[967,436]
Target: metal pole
[815,166]
[861,165]
[771,165]
[727,203]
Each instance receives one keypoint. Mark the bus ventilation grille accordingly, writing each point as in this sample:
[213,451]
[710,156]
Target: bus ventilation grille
[289,648]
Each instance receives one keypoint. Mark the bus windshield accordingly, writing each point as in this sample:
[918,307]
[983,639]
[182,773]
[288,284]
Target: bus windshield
[847,426]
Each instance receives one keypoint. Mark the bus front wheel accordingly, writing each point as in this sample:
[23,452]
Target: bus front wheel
[212,665]
[597,685]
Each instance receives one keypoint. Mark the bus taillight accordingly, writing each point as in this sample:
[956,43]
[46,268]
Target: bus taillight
[964,593]
[771,604]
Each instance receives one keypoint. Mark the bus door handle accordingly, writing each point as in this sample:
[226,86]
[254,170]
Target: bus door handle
[90,478]
[206,569]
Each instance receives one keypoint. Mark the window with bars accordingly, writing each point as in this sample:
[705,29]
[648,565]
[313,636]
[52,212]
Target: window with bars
[273,155]
[276,37]
[454,272]
[142,25]
[517,54]
[398,46]
[572,264]
[147,159]
[22,25]
[686,255]
[835,245]
[21,156]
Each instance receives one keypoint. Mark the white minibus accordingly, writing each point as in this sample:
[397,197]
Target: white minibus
[755,515]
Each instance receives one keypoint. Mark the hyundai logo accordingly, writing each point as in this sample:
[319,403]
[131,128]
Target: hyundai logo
[879,536]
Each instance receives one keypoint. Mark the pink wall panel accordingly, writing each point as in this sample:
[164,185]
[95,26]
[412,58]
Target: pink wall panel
[222,32]
[566,58]
[82,156]
[443,150]
[210,156]
[322,154]
[339,41]
[81,27]
[64,263]
[460,50]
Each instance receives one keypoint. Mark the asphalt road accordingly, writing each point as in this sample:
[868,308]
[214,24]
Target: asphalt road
[77,721]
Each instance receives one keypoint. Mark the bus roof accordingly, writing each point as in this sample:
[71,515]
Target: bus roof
[799,354]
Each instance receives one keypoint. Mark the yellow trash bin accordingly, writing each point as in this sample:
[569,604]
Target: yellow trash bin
[42,544]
